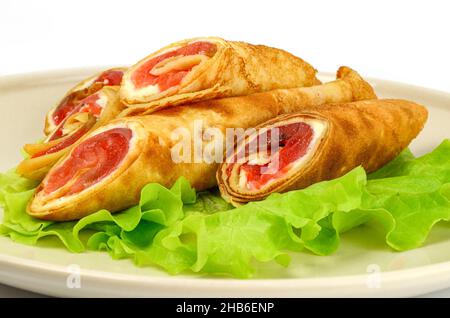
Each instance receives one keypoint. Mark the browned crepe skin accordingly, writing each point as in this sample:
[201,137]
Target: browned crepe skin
[37,168]
[368,133]
[236,69]
[151,160]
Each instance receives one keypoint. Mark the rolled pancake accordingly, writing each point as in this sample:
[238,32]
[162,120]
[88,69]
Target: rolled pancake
[92,112]
[88,178]
[87,87]
[320,143]
[205,68]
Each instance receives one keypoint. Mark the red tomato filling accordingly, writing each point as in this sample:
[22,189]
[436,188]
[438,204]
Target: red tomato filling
[91,161]
[71,101]
[294,140]
[87,105]
[110,78]
[142,77]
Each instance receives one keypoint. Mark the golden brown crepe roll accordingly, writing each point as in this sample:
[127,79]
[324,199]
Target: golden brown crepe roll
[206,68]
[89,86]
[109,166]
[90,113]
[318,144]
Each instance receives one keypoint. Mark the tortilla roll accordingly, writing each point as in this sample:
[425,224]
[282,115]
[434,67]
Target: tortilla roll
[87,87]
[108,168]
[317,144]
[206,68]
[92,112]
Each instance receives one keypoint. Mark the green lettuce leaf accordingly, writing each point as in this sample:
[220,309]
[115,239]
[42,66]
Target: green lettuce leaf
[405,198]
[179,230]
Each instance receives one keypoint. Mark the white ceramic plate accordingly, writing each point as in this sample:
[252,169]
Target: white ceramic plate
[363,266]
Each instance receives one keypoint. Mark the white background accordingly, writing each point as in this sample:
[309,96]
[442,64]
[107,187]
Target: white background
[403,40]
[406,41]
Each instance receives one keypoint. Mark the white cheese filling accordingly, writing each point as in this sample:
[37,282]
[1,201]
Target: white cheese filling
[102,100]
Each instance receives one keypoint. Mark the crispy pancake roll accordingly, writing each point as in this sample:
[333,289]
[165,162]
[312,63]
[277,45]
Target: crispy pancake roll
[318,144]
[90,113]
[349,86]
[79,92]
[207,68]
[109,166]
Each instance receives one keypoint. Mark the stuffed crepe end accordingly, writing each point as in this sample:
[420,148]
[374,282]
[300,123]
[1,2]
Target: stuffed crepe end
[318,144]
[205,68]
[90,113]
[87,87]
